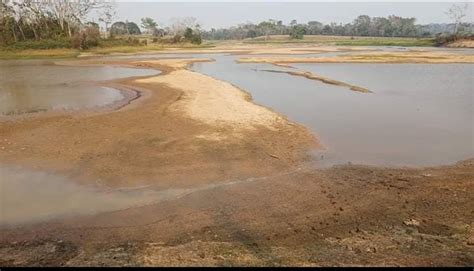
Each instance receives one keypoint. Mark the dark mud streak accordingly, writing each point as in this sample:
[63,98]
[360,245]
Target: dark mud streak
[313,76]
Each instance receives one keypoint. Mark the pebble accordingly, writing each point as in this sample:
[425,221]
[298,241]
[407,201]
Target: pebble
[411,222]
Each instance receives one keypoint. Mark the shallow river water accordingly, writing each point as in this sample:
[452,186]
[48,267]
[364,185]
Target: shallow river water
[31,86]
[417,115]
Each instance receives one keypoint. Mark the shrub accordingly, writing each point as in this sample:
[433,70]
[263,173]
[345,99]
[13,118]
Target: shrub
[133,41]
[196,39]
[86,38]
[297,32]
[176,38]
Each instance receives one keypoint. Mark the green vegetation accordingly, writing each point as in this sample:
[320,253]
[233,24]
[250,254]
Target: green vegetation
[38,53]
[343,41]
[297,32]
[60,29]
[121,28]
[362,26]
[404,42]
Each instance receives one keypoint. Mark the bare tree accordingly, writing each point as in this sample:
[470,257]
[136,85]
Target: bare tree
[70,13]
[179,25]
[457,12]
[107,15]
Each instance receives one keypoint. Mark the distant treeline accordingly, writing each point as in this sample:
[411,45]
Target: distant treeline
[391,26]
[46,24]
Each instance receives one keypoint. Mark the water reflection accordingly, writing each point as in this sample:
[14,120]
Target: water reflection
[418,115]
[32,86]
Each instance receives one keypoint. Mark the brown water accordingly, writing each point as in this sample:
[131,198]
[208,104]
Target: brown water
[32,86]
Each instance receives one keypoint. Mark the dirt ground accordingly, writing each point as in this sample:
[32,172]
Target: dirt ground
[275,209]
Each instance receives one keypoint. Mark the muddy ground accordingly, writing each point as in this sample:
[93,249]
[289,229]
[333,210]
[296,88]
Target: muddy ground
[275,209]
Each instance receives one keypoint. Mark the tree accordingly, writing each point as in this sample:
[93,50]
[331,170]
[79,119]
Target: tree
[315,27]
[362,25]
[179,25]
[132,28]
[297,32]
[118,28]
[193,36]
[149,24]
[457,12]
[107,15]
[266,27]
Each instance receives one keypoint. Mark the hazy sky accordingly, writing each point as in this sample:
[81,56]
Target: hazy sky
[223,14]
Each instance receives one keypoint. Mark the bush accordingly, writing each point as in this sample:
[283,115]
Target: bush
[443,39]
[133,41]
[86,38]
[297,32]
[176,38]
[117,42]
[192,36]
[196,39]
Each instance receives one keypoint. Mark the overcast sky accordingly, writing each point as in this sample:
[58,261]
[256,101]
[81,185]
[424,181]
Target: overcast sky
[216,14]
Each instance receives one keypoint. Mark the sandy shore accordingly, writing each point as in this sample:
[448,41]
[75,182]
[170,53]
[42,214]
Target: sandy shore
[239,186]
[249,49]
[372,57]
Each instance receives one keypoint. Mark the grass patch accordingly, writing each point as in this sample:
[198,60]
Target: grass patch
[343,41]
[41,45]
[44,49]
[387,42]
[38,53]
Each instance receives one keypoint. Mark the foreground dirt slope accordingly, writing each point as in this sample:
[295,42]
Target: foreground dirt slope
[347,215]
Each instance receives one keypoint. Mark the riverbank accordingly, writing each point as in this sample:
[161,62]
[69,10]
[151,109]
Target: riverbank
[260,45]
[240,187]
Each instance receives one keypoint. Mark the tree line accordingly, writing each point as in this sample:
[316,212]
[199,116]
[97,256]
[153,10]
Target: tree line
[181,29]
[364,25]
[65,23]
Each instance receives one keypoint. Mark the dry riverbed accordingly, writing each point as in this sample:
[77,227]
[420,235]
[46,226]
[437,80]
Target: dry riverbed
[369,57]
[251,195]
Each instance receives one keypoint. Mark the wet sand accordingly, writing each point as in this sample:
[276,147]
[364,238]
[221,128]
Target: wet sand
[313,76]
[183,133]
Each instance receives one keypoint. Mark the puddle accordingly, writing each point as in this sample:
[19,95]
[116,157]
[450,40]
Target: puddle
[35,86]
[34,196]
